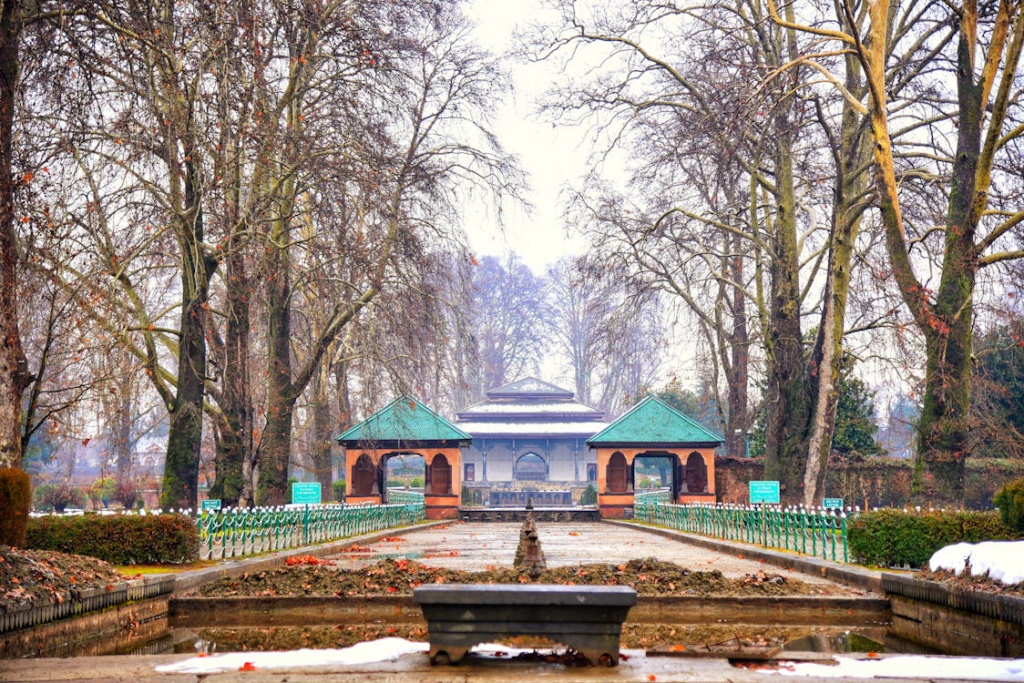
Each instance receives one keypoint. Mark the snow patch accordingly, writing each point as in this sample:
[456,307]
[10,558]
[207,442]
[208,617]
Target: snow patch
[912,666]
[382,650]
[1001,560]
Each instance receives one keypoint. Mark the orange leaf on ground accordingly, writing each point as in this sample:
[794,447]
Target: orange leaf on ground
[248,666]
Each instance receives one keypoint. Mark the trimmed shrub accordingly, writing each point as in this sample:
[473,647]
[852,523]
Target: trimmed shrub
[589,495]
[126,492]
[102,492]
[58,497]
[15,500]
[896,538]
[119,539]
[339,490]
[1010,501]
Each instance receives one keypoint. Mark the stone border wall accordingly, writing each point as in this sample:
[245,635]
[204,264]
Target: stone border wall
[87,601]
[932,614]
[90,600]
[1008,608]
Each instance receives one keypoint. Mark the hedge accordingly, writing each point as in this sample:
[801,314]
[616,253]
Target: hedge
[1010,501]
[891,537]
[119,539]
[15,499]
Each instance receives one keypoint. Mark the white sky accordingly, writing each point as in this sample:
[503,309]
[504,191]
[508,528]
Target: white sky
[552,157]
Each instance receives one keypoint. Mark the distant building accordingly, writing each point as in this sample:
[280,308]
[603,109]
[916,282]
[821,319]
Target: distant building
[528,436]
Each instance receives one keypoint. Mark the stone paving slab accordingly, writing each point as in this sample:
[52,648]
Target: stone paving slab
[408,669]
[475,546]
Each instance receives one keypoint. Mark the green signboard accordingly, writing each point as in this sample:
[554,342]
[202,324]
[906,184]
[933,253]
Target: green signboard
[832,503]
[306,493]
[764,492]
[210,504]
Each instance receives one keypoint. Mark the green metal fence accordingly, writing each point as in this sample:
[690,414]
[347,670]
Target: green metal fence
[810,532]
[660,495]
[235,532]
[403,497]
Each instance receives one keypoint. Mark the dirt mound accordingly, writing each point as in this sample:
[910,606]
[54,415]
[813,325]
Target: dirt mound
[34,578]
[400,577]
[965,582]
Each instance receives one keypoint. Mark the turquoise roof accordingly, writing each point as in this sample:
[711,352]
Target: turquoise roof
[404,420]
[654,422]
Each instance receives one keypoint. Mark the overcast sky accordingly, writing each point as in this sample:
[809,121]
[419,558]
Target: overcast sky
[551,157]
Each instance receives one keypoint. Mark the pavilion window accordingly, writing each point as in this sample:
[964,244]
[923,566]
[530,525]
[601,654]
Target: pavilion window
[696,474]
[440,476]
[617,474]
[364,477]
[531,467]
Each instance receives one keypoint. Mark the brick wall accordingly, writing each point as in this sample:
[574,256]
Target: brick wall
[877,482]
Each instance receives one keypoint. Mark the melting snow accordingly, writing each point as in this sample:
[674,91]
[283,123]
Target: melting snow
[913,666]
[1001,560]
[382,650]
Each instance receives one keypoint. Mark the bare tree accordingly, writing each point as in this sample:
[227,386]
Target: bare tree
[511,325]
[607,332]
[982,207]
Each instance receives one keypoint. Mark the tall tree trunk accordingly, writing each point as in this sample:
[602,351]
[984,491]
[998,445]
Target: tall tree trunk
[944,423]
[323,431]
[184,441]
[234,450]
[14,374]
[737,369]
[786,396]
[344,404]
[275,446]
[852,156]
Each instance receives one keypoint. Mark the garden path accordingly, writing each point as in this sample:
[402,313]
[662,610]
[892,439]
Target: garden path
[475,546]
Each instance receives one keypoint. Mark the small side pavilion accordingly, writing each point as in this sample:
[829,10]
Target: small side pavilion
[654,429]
[405,427]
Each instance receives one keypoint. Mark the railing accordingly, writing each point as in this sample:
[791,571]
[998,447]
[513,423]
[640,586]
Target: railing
[234,532]
[403,497]
[659,495]
[810,532]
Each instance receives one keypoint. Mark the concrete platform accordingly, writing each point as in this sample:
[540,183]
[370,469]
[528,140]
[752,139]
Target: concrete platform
[415,668]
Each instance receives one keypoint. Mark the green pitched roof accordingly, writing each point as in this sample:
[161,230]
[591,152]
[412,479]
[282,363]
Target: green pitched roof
[654,422]
[404,420]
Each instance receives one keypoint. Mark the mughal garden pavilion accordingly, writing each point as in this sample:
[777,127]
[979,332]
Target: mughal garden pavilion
[530,441]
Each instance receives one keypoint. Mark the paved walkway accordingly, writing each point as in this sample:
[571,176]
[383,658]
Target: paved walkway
[475,546]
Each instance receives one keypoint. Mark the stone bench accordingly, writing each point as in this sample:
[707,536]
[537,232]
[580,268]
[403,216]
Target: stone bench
[585,618]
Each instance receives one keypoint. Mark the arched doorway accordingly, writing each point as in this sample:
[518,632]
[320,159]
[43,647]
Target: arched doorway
[617,474]
[404,470]
[531,467]
[364,477]
[656,470]
[696,476]
[439,475]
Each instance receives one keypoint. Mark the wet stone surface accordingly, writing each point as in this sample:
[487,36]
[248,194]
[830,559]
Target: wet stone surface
[483,546]
[578,555]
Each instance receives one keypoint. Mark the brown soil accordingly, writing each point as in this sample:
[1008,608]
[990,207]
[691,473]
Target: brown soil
[34,578]
[647,576]
[965,582]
